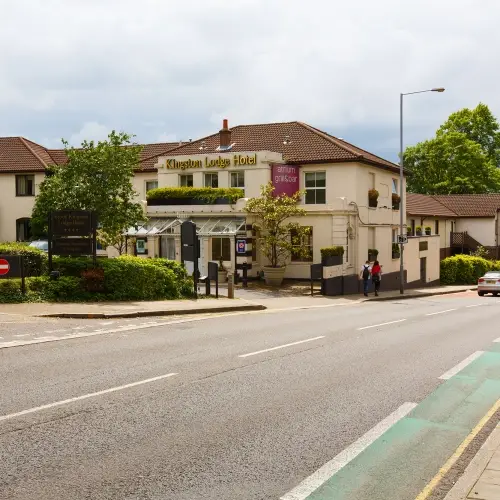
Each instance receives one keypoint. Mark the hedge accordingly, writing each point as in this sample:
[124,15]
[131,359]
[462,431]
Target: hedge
[331,252]
[465,269]
[123,278]
[205,194]
[36,262]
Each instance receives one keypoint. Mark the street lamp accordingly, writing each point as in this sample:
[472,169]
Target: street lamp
[401,182]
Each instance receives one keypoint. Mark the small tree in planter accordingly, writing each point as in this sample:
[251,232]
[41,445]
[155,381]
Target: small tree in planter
[373,198]
[276,243]
[221,271]
[396,251]
[428,230]
[372,254]
[332,256]
[418,230]
[396,200]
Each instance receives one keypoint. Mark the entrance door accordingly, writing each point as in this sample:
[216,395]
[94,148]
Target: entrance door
[167,247]
[423,270]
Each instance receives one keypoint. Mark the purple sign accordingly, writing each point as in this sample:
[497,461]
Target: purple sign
[285,179]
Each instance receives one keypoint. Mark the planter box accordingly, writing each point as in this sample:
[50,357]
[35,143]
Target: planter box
[187,201]
[396,255]
[333,260]
[222,276]
[428,233]
[372,203]
[372,258]
[395,206]
[274,275]
[419,233]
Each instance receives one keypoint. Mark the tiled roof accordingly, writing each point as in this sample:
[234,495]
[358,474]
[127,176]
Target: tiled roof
[18,154]
[471,205]
[421,204]
[298,142]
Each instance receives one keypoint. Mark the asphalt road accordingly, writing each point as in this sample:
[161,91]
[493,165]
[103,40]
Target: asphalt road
[242,406]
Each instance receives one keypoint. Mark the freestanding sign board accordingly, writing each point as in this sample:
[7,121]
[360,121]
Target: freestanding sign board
[12,266]
[72,233]
[190,249]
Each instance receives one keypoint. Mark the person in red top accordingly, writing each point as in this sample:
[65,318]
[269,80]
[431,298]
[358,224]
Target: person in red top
[376,276]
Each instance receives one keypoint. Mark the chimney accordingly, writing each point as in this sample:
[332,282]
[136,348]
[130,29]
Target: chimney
[224,135]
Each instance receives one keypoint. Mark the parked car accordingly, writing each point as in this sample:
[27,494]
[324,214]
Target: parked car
[42,245]
[489,283]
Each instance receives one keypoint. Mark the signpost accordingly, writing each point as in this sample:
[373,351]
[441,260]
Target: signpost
[72,233]
[12,266]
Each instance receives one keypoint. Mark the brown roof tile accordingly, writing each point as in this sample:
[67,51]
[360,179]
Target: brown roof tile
[18,154]
[471,205]
[306,145]
[421,204]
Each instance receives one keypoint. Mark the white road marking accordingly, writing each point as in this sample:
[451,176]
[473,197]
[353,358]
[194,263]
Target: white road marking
[54,331]
[460,366]
[85,396]
[315,480]
[107,323]
[279,347]
[78,327]
[474,305]
[21,334]
[382,324]
[440,312]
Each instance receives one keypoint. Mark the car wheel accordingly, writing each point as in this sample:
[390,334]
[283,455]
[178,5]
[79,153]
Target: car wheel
[481,294]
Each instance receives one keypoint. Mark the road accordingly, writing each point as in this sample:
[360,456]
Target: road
[247,405]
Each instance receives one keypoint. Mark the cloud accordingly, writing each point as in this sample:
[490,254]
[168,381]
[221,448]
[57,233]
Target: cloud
[91,131]
[183,66]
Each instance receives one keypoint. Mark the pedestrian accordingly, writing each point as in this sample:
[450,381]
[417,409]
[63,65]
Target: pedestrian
[365,276]
[376,276]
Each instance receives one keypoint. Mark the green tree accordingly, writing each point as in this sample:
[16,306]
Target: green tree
[463,157]
[96,177]
[278,237]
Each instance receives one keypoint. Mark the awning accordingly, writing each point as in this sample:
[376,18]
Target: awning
[213,226]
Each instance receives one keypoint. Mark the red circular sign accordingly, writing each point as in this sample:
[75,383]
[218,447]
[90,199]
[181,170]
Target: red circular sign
[4,267]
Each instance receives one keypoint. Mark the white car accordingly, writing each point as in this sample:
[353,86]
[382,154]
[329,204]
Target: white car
[489,283]
[42,245]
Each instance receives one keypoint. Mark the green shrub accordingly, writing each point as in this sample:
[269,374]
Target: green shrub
[73,266]
[331,251]
[373,251]
[465,269]
[208,195]
[35,261]
[395,248]
[10,291]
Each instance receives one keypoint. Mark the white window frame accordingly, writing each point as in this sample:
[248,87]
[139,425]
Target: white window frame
[237,173]
[210,175]
[149,182]
[315,188]
[186,176]
[395,186]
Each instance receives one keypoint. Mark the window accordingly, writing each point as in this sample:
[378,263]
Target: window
[395,186]
[371,181]
[186,180]
[305,242]
[151,185]
[238,179]
[315,188]
[25,185]
[211,180]
[394,235]
[221,247]
[436,227]
[371,238]
[23,229]
[413,227]
[423,245]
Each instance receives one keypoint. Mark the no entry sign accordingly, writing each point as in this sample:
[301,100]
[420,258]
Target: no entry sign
[4,267]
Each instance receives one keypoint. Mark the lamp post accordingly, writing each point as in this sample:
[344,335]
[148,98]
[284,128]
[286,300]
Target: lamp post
[401,182]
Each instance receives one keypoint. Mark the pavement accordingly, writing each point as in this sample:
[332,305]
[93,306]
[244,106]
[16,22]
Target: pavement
[364,400]
[247,299]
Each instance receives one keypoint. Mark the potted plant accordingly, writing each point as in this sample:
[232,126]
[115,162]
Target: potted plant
[427,230]
[372,254]
[396,251]
[221,271]
[408,231]
[278,237]
[332,256]
[396,200]
[373,198]
[418,230]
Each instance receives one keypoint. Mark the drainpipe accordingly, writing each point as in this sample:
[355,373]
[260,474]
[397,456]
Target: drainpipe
[496,233]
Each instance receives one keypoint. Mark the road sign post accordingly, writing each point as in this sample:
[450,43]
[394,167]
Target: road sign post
[12,266]
[402,239]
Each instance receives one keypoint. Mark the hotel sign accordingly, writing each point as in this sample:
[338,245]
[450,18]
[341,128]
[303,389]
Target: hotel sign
[219,162]
[285,179]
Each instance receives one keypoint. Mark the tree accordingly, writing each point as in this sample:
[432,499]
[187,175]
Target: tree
[97,177]
[463,157]
[278,238]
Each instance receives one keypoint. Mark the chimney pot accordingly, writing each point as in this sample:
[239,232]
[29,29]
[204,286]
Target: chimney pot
[224,135]
[224,124]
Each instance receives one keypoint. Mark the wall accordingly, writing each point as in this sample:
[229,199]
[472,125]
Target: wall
[445,226]
[14,207]
[139,182]
[481,229]
[412,256]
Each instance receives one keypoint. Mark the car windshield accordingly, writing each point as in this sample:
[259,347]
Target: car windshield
[41,245]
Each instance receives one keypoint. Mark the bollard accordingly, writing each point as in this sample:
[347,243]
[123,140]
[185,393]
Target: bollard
[230,285]
[245,275]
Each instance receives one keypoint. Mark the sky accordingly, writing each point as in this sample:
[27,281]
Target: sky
[168,70]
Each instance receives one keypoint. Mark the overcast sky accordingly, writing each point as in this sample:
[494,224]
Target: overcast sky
[169,70]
